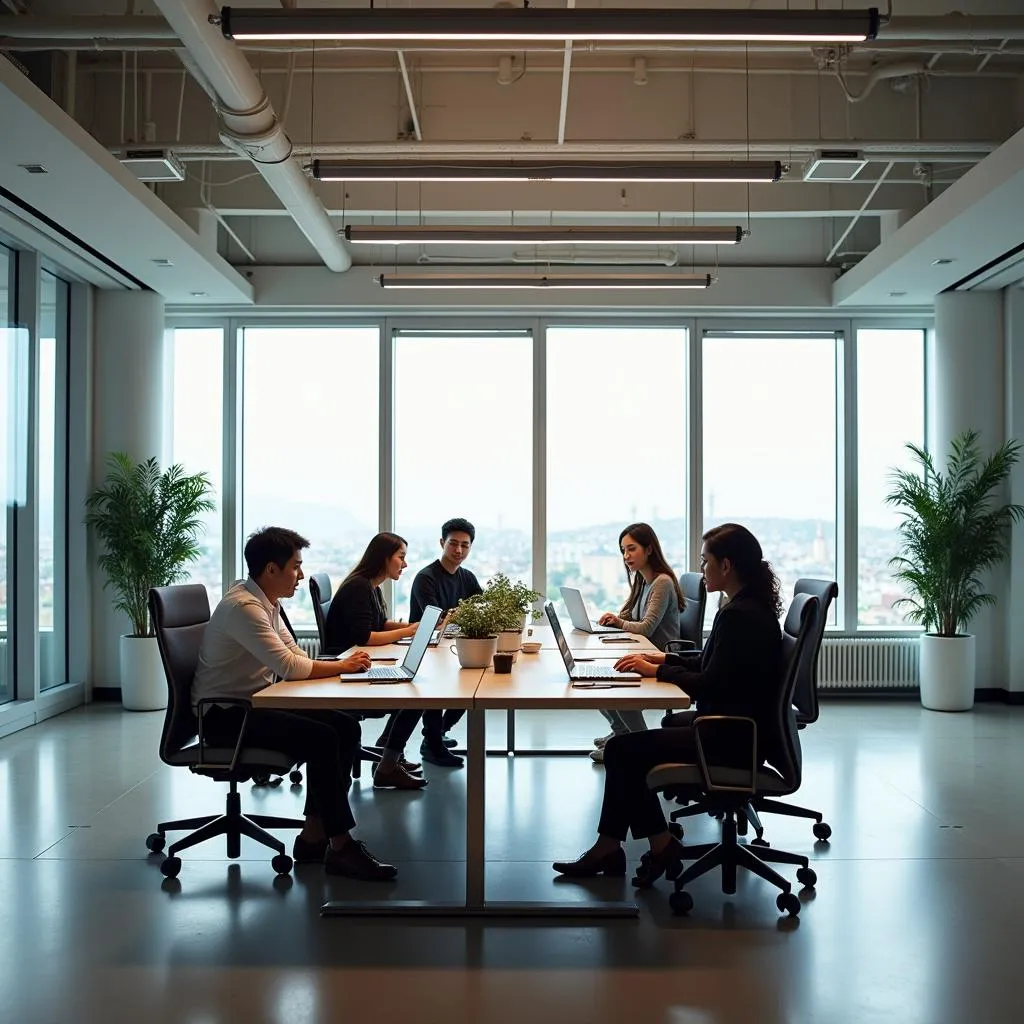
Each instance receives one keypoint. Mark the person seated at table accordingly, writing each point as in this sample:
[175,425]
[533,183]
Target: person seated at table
[444,583]
[358,617]
[740,672]
[245,646]
[652,609]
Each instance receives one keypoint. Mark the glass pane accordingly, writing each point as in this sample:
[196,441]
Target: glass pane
[7,413]
[197,435]
[890,414]
[310,443]
[600,429]
[54,295]
[463,447]
[770,449]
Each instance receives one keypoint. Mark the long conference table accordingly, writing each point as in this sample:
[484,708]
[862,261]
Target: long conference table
[536,682]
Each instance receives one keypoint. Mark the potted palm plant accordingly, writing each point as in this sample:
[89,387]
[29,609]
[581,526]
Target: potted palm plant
[512,602]
[479,622]
[148,524]
[954,528]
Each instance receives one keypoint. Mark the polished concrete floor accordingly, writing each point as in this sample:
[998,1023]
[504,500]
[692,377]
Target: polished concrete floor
[917,915]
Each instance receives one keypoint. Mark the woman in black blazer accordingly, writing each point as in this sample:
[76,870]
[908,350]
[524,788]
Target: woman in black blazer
[738,673]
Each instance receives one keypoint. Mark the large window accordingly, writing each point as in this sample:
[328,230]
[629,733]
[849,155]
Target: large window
[616,453]
[463,447]
[890,414]
[54,297]
[769,458]
[8,406]
[310,443]
[197,431]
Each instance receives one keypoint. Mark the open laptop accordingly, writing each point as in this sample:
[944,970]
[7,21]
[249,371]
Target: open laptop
[406,672]
[585,675]
[577,609]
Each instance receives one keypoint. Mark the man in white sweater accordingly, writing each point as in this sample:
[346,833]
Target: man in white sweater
[245,646]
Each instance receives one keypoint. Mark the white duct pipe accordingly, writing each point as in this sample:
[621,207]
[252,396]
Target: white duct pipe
[250,124]
[901,69]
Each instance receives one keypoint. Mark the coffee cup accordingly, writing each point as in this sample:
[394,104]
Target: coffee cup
[502,663]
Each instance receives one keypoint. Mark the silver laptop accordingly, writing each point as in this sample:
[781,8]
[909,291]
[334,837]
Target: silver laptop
[406,672]
[585,675]
[577,609]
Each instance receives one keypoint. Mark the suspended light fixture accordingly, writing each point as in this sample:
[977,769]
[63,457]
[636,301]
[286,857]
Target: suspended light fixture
[526,235]
[603,282]
[535,170]
[525,24]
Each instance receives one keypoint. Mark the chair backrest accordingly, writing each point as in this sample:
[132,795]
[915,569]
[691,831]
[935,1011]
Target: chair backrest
[180,615]
[321,593]
[798,651]
[805,697]
[691,618]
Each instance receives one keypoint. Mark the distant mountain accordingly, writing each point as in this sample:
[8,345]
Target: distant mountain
[320,520]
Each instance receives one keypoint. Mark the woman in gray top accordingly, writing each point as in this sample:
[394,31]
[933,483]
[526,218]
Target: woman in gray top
[652,608]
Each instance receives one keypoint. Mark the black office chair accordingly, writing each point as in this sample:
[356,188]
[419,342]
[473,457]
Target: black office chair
[321,592]
[180,615]
[729,791]
[805,702]
[691,618]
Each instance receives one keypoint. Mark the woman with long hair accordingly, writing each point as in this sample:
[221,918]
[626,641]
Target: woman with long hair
[358,617]
[740,672]
[651,609]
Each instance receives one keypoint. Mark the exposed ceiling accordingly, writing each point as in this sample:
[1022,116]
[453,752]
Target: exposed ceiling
[924,111]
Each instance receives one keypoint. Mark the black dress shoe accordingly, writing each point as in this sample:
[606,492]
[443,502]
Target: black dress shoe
[306,851]
[653,865]
[590,864]
[449,742]
[354,860]
[440,756]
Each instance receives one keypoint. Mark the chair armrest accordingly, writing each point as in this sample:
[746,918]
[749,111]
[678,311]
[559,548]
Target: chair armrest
[679,645]
[234,702]
[726,723]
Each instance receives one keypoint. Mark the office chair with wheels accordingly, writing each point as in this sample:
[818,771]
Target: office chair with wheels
[321,592]
[691,618]
[180,615]
[729,790]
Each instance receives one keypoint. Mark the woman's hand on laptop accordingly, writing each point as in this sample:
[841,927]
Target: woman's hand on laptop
[358,662]
[610,619]
[640,663]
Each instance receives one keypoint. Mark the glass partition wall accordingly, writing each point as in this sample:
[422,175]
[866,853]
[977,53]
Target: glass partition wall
[551,437]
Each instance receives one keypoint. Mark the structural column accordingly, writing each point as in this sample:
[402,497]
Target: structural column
[1013,610]
[128,365]
[966,389]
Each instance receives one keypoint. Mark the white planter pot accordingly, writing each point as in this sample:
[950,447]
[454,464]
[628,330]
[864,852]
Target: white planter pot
[947,672]
[510,641]
[475,653]
[143,683]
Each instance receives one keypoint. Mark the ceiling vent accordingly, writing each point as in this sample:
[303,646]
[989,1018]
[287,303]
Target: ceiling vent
[154,165]
[834,165]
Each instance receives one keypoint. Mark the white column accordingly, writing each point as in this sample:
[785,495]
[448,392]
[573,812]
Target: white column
[128,373]
[1013,608]
[966,371]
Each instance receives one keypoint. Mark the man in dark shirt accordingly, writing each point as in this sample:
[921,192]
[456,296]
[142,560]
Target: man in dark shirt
[444,583]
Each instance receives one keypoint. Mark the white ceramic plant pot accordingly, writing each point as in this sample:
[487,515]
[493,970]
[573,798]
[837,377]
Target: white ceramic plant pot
[143,683]
[947,672]
[475,653]
[510,641]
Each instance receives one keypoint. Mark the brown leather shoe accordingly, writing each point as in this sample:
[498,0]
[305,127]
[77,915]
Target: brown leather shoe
[354,860]
[394,776]
[412,767]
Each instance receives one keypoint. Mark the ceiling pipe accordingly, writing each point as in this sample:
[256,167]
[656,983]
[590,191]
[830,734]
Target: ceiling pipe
[250,124]
[901,69]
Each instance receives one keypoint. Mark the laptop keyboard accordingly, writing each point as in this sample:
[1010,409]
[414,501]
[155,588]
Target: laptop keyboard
[385,672]
[598,672]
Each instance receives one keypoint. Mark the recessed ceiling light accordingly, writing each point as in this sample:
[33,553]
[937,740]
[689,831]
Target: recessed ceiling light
[942,261]
[162,261]
[199,295]
[34,168]
[896,295]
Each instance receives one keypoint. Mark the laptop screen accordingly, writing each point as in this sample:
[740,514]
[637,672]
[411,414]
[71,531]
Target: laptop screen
[556,629]
[420,639]
[576,607]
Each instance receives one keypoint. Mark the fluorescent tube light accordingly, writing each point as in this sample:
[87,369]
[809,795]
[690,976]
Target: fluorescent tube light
[525,235]
[537,170]
[404,25]
[635,282]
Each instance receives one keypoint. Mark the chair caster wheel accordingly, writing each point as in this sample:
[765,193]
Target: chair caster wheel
[806,876]
[275,782]
[261,780]
[155,842]
[822,831]
[295,778]
[680,902]
[281,864]
[676,829]
[170,866]
[788,903]
[759,842]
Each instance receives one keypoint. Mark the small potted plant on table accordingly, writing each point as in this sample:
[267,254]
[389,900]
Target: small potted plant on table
[479,622]
[513,603]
